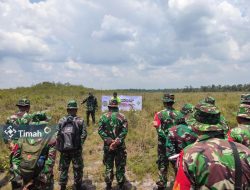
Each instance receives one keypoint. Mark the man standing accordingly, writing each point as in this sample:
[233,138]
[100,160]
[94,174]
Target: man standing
[181,135]
[91,105]
[34,158]
[113,128]
[70,138]
[241,133]
[21,117]
[212,162]
[116,98]
[163,120]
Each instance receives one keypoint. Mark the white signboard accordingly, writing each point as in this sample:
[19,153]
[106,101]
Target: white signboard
[127,103]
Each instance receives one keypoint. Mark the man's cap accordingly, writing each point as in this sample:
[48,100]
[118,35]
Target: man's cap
[167,97]
[208,100]
[245,99]
[23,102]
[206,117]
[72,104]
[187,108]
[244,111]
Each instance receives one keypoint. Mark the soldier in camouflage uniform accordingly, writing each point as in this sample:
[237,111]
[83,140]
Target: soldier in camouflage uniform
[21,117]
[241,134]
[91,104]
[113,128]
[40,176]
[163,120]
[180,135]
[210,162]
[74,156]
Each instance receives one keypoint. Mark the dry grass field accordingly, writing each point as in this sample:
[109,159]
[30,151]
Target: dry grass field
[141,140]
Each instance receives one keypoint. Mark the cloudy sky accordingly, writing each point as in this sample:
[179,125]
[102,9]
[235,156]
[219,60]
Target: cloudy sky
[125,43]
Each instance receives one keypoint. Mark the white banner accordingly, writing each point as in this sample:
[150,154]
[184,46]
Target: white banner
[127,103]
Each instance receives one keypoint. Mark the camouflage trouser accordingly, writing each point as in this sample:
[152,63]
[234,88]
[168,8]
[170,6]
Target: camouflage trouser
[77,161]
[118,157]
[92,113]
[162,162]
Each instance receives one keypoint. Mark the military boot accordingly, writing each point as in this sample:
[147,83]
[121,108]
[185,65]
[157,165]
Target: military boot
[121,186]
[63,187]
[108,186]
[78,186]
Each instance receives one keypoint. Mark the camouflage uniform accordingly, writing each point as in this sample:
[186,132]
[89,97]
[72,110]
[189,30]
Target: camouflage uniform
[164,120]
[209,163]
[245,99]
[91,104]
[180,135]
[113,128]
[21,117]
[74,156]
[241,134]
[44,178]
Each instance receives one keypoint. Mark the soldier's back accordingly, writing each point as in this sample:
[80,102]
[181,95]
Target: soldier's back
[210,164]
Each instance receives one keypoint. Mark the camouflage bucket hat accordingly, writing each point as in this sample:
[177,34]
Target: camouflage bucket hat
[113,103]
[206,117]
[23,102]
[168,98]
[72,104]
[244,111]
[245,98]
[208,100]
[187,108]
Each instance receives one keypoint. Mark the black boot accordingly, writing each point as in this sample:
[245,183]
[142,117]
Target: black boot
[78,186]
[63,187]
[108,186]
[121,186]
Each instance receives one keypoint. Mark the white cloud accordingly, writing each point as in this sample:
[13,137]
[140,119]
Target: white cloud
[125,44]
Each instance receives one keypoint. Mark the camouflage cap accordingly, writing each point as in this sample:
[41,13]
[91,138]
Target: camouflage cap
[168,98]
[206,117]
[244,111]
[23,102]
[113,103]
[72,104]
[245,98]
[208,100]
[187,108]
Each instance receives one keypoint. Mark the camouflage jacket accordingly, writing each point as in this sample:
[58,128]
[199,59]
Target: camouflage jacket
[209,164]
[240,134]
[112,126]
[178,138]
[91,103]
[83,131]
[165,119]
[19,118]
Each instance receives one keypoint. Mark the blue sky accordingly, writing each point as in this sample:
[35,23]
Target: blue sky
[124,43]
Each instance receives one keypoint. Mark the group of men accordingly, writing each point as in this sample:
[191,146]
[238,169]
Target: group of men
[32,158]
[204,153]
[195,140]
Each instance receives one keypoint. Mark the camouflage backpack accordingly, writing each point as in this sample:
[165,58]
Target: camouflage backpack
[31,152]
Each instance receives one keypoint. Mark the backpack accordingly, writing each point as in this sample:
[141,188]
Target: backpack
[30,154]
[68,138]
